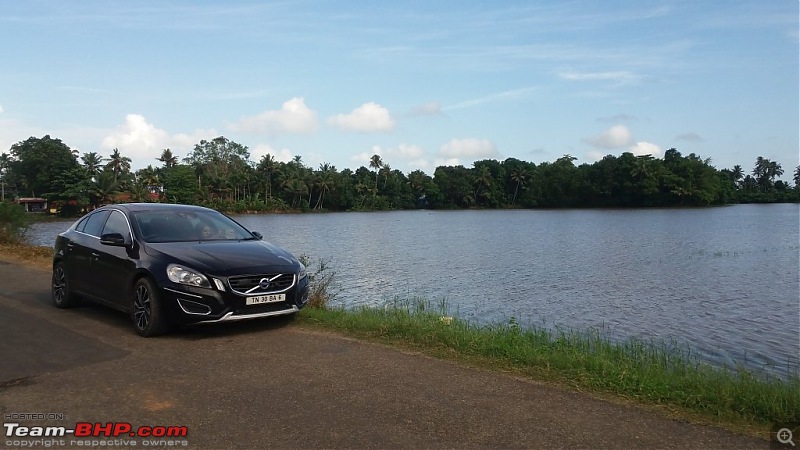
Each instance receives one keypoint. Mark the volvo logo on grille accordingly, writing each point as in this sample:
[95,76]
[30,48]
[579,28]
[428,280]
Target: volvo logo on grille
[264,283]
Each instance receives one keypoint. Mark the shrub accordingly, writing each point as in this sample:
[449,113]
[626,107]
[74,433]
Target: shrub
[13,223]
[320,279]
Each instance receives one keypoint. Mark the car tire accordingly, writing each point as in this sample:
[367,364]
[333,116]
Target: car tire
[62,296]
[147,311]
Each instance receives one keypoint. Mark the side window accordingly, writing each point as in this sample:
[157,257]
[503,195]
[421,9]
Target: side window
[95,223]
[80,225]
[116,223]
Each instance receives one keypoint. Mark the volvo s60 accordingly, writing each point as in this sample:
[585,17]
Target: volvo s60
[167,265]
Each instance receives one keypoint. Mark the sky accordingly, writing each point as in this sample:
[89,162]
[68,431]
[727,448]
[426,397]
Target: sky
[420,83]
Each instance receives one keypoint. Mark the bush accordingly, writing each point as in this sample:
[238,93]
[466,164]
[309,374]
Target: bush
[320,279]
[13,223]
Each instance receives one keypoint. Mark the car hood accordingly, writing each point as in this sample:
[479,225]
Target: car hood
[226,258]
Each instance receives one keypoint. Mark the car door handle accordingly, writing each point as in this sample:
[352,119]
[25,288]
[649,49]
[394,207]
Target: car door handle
[95,255]
[70,245]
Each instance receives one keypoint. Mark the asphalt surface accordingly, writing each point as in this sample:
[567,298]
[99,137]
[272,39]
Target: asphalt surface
[274,384]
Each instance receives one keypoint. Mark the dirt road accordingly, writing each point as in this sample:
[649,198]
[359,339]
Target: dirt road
[274,384]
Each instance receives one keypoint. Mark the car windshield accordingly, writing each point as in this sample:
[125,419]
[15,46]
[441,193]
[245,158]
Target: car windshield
[182,226]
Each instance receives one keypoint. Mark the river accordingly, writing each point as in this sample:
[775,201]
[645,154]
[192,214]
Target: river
[725,282]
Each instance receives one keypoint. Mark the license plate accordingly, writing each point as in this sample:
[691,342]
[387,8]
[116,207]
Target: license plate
[258,300]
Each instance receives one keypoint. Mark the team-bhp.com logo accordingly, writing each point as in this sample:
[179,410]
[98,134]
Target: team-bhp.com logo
[97,429]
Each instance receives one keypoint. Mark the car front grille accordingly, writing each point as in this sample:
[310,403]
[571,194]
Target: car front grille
[250,284]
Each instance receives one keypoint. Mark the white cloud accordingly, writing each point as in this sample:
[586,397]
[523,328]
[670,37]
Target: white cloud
[1,109]
[638,149]
[143,142]
[617,136]
[368,117]
[646,148]
[595,155]
[293,117]
[404,157]
[470,148]
[282,155]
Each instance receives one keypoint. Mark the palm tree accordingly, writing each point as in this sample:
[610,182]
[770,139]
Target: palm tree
[168,158]
[93,164]
[324,182]
[796,177]
[118,164]
[105,188]
[386,171]
[376,163]
[765,172]
[267,166]
[297,188]
[483,179]
[737,173]
[520,176]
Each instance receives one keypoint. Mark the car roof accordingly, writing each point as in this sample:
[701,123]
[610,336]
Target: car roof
[135,207]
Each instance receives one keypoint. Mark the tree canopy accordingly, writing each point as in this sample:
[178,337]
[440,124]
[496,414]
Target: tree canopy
[219,173]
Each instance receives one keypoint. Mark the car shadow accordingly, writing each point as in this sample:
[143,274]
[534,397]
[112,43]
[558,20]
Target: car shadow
[223,329]
[120,320]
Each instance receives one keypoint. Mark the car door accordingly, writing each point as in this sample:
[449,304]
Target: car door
[79,252]
[113,265]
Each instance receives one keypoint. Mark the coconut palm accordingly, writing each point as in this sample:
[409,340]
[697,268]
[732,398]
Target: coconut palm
[797,177]
[376,163]
[93,164]
[268,166]
[118,164]
[737,173]
[324,182]
[520,176]
[168,158]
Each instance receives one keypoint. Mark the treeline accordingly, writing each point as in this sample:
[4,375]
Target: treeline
[219,174]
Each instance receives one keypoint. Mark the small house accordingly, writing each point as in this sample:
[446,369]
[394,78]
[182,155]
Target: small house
[33,204]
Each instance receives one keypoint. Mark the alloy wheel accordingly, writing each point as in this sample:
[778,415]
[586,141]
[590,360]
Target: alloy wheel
[142,308]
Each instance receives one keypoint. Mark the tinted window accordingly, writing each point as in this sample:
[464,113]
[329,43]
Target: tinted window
[116,223]
[79,226]
[95,223]
[187,225]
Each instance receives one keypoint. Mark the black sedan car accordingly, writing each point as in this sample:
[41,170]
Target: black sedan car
[174,264]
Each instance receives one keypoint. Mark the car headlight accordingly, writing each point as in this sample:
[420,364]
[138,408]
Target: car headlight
[183,275]
[303,272]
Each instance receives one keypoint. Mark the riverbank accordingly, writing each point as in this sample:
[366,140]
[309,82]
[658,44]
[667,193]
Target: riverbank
[280,383]
[663,376]
[649,375]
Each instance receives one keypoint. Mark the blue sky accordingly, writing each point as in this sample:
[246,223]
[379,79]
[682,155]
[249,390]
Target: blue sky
[422,83]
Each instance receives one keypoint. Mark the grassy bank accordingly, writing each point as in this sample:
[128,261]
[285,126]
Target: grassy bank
[29,255]
[654,374]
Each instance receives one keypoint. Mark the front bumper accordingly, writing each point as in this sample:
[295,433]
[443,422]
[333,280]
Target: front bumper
[188,305]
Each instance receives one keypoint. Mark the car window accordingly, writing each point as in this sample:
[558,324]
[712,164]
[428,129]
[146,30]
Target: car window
[182,225]
[80,225]
[116,223]
[95,222]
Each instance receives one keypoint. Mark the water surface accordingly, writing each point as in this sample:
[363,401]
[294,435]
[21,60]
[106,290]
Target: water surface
[723,281]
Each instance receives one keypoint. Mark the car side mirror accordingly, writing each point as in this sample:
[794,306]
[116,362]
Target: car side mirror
[114,240]
[257,235]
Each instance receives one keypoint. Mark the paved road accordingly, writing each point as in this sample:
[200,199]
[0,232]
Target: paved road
[274,384]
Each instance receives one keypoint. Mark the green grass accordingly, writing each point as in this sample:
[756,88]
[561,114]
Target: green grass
[647,372]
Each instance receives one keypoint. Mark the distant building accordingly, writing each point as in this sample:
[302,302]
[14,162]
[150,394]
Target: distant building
[33,204]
